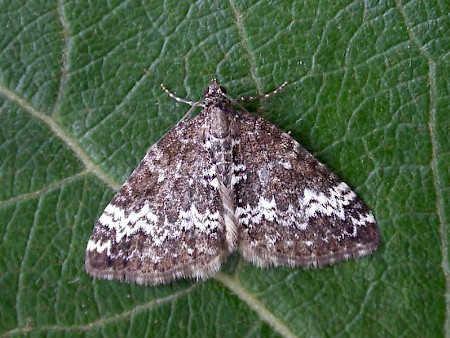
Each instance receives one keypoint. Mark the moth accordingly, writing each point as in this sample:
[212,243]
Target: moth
[222,181]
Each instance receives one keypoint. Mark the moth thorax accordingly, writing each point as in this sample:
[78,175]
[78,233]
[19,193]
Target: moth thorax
[219,140]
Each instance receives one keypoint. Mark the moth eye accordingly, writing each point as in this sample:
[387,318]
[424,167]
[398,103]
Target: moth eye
[223,90]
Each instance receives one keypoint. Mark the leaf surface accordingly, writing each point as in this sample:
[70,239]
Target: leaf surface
[80,103]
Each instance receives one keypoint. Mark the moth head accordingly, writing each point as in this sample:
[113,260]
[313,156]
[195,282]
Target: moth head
[214,92]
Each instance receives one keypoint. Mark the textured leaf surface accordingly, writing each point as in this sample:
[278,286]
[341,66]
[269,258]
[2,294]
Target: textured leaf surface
[80,103]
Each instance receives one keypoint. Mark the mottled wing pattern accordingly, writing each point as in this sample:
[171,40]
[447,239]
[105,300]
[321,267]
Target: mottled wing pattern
[159,228]
[292,210]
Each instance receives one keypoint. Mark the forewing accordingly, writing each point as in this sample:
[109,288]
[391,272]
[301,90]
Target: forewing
[166,221]
[292,210]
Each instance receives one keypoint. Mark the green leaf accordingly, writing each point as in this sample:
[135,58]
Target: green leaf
[80,103]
